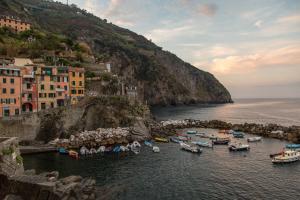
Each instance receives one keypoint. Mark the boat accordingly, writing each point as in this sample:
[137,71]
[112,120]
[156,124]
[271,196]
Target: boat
[84,151]
[221,141]
[203,135]
[73,154]
[254,139]
[287,156]
[183,138]
[101,149]
[239,147]
[135,144]
[238,134]
[148,143]
[292,146]
[108,149]
[63,151]
[124,148]
[116,149]
[93,151]
[203,144]
[175,140]
[191,132]
[190,148]
[275,154]
[213,137]
[156,149]
[160,139]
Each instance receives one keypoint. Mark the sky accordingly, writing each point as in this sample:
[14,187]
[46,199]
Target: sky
[251,46]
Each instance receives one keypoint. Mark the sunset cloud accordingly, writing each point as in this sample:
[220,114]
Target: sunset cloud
[208,9]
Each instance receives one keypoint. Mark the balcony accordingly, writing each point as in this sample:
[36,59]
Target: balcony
[60,89]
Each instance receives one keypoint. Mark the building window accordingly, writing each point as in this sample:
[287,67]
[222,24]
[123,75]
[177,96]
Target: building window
[51,87]
[80,74]
[52,105]
[66,88]
[58,79]
[43,106]
[4,90]
[16,111]
[12,90]
[40,95]
[60,94]
[80,83]
[42,78]
[73,74]
[73,91]
[28,85]
[4,80]
[42,87]
[12,80]
[73,83]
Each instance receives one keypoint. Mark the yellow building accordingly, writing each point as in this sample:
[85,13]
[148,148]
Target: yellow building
[15,24]
[46,83]
[76,84]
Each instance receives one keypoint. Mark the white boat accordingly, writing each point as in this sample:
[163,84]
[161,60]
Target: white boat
[287,156]
[254,139]
[84,151]
[135,144]
[203,144]
[190,148]
[239,147]
[101,149]
[93,151]
[124,148]
[156,149]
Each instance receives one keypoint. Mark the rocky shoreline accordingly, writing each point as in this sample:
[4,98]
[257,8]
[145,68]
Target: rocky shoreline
[168,128]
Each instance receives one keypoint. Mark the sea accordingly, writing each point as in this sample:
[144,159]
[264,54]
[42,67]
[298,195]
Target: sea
[175,174]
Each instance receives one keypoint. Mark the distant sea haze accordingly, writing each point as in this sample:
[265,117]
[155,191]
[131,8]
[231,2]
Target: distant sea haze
[285,112]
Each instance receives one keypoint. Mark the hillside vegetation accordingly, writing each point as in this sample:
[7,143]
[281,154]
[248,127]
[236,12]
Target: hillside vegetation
[70,32]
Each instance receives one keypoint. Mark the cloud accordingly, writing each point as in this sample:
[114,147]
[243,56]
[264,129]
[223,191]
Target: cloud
[215,51]
[258,23]
[291,19]
[286,56]
[208,9]
[124,22]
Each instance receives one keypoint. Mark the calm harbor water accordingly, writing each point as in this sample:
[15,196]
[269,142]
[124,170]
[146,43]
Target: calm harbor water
[279,111]
[175,174]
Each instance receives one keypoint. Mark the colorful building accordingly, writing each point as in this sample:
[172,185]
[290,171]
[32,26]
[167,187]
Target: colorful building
[15,24]
[62,86]
[46,81]
[76,83]
[29,90]
[10,91]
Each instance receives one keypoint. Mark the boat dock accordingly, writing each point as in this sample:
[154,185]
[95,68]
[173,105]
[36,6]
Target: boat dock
[37,149]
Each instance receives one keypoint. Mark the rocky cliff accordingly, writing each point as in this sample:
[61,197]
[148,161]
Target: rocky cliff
[134,57]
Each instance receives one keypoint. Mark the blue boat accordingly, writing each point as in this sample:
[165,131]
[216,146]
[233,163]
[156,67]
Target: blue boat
[62,150]
[203,144]
[191,132]
[117,149]
[175,140]
[238,134]
[148,143]
[293,146]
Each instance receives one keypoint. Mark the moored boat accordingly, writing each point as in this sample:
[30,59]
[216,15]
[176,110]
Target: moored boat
[254,139]
[63,151]
[183,138]
[203,144]
[101,149]
[148,143]
[293,146]
[160,139]
[84,151]
[221,141]
[202,135]
[156,149]
[116,149]
[73,154]
[238,134]
[190,148]
[191,132]
[239,147]
[175,140]
[287,156]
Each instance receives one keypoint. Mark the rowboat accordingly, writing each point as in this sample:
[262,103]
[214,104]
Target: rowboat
[239,147]
[73,154]
[202,135]
[190,148]
[183,138]
[287,156]
[101,149]
[116,149]
[175,140]
[238,135]
[191,132]
[160,139]
[254,139]
[63,151]
[203,144]
[84,151]
[148,143]
[221,141]
[293,146]
[156,149]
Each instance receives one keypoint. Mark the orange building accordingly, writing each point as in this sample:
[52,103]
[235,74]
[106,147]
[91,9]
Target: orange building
[76,81]
[62,86]
[15,24]
[10,91]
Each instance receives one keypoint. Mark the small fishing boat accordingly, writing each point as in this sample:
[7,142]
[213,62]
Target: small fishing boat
[124,148]
[203,144]
[183,138]
[239,147]
[160,139]
[108,149]
[203,135]
[213,137]
[254,139]
[136,144]
[293,146]
[84,151]
[175,140]
[63,151]
[221,141]
[73,154]
[93,151]
[287,156]
[116,149]
[156,149]
[148,143]
[101,149]
[191,132]
[190,148]
[238,134]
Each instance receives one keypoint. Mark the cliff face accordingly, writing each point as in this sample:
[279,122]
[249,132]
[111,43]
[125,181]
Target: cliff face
[163,77]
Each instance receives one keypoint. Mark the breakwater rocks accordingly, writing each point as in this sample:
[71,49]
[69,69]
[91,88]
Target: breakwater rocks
[291,133]
[47,186]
